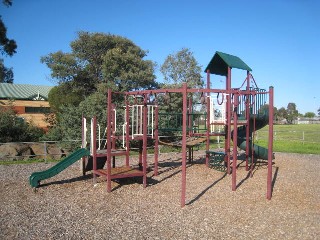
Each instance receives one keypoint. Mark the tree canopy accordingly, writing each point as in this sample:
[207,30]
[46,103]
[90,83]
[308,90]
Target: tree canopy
[97,61]
[310,114]
[98,58]
[7,47]
[182,67]
[292,112]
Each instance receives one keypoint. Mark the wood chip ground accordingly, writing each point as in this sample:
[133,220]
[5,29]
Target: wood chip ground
[69,206]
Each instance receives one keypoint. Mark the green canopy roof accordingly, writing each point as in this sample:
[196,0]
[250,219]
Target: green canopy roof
[24,91]
[221,61]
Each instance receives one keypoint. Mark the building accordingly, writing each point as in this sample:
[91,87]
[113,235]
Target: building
[29,101]
[304,120]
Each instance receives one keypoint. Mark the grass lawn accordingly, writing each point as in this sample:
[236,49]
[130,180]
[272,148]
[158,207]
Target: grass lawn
[302,138]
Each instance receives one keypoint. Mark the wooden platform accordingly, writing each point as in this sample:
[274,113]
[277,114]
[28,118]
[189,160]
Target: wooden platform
[120,172]
[191,142]
[103,153]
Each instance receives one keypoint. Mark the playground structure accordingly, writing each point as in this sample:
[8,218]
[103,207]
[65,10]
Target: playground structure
[242,110]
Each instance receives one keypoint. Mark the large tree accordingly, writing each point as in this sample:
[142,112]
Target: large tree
[180,67]
[97,61]
[292,112]
[309,115]
[282,114]
[98,58]
[8,48]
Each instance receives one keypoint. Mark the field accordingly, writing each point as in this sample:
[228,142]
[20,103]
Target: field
[302,138]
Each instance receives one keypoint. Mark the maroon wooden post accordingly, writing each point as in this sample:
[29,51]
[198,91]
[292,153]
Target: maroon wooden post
[127,136]
[156,138]
[247,121]
[252,166]
[208,120]
[235,143]
[228,123]
[184,145]
[145,139]
[94,147]
[190,117]
[208,130]
[109,143]
[270,145]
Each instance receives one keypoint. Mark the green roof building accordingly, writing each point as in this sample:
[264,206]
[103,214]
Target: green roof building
[24,91]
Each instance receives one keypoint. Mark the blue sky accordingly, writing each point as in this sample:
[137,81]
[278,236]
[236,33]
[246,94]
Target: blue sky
[278,39]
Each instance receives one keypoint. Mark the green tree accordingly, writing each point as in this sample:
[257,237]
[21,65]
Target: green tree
[264,110]
[180,67]
[98,61]
[309,115]
[292,112]
[319,111]
[98,58]
[15,129]
[6,74]
[68,126]
[7,47]
[61,95]
[282,114]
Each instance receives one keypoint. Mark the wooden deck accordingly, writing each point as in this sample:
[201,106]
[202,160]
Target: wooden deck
[120,172]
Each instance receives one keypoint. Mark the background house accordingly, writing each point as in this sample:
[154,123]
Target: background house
[29,101]
[304,120]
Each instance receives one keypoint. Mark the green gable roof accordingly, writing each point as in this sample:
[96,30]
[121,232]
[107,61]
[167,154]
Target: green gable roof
[221,61]
[24,91]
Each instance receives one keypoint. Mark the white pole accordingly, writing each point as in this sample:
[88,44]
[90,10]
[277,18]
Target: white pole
[115,120]
[84,140]
[132,121]
[141,118]
[152,108]
[99,139]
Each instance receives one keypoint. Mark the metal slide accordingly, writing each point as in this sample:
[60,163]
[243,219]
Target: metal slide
[36,177]
[260,122]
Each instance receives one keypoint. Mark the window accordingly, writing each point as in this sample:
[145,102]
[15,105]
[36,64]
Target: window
[37,110]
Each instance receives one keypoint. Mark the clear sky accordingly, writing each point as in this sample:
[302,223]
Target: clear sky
[278,39]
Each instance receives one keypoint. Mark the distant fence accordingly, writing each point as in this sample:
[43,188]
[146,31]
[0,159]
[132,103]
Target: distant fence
[301,136]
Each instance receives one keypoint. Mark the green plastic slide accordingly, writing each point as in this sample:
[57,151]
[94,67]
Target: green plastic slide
[36,177]
[260,122]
